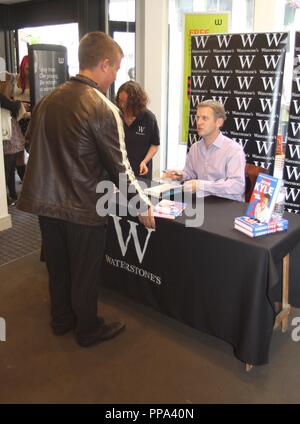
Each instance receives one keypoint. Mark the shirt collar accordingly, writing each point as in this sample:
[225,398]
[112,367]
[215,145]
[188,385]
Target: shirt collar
[138,118]
[218,141]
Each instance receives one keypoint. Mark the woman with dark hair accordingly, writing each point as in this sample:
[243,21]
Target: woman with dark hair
[140,125]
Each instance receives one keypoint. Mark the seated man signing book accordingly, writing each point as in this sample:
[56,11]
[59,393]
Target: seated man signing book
[215,165]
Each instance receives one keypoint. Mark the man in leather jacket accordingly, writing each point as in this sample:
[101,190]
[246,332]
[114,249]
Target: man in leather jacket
[76,140]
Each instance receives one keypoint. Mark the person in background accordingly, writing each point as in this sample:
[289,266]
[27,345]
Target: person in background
[215,165]
[141,129]
[22,93]
[76,141]
[22,89]
[15,144]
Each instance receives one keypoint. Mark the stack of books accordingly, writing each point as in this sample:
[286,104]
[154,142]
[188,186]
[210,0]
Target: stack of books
[258,220]
[168,209]
[253,228]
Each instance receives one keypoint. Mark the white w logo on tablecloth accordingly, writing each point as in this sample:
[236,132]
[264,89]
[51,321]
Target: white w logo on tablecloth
[140,252]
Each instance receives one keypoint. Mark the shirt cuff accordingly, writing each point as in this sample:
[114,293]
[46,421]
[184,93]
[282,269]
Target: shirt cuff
[201,188]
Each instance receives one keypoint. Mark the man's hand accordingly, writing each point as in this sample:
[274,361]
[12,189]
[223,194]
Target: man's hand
[191,186]
[172,174]
[26,106]
[143,168]
[147,218]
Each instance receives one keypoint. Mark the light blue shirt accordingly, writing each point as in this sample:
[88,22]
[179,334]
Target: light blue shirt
[220,168]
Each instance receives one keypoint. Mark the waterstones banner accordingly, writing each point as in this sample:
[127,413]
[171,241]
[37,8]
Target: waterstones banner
[245,73]
[291,173]
[194,23]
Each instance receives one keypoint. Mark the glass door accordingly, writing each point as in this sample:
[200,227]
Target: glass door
[124,34]
[122,29]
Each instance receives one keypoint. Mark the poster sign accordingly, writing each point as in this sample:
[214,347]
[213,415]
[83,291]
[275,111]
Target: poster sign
[196,24]
[50,69]
[292,155]
[245,73]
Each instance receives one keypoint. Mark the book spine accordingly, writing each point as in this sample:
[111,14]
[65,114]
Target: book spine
[269,231]
[243,230]
[258,233]
[256,227]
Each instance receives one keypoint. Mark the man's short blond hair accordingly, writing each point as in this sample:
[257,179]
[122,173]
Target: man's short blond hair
[97,46]
[217,108]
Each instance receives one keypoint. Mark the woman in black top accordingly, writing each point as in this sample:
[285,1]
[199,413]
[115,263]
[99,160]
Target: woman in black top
[141,129]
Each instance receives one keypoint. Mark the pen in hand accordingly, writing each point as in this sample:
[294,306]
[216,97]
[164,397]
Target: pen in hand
[177,173]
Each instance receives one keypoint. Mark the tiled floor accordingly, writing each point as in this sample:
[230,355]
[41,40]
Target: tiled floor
[23,238]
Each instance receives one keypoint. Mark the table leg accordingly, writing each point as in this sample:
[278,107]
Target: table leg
[282,317]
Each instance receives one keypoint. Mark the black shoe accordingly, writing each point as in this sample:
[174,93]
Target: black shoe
[11,201]
[60,330]
[105,332]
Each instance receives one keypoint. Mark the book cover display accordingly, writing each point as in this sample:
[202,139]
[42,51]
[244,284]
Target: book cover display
[258,220]
[263,198]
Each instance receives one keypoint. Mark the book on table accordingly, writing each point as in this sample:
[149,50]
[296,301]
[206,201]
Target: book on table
[165,190]
[263,198]
[169,209]
[258,219]
[253,228]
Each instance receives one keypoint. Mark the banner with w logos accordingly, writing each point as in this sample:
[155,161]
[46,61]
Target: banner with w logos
[245,73]
[291,173]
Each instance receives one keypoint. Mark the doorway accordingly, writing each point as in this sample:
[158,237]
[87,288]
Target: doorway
[121,27]
[66,35]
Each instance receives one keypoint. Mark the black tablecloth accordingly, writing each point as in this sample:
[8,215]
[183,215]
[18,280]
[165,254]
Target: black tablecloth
[212,278]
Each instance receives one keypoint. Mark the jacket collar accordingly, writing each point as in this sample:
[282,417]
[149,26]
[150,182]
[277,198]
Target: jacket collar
[86,80]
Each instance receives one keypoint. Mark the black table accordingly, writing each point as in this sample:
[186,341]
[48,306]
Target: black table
[212,278]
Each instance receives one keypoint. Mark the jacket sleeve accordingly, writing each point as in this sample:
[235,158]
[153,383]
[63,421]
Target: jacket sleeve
[110,141]
[12,105]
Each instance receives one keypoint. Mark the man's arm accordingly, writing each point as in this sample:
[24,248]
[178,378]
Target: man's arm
[149,155]
[110,141]
[11,105]
[189,171]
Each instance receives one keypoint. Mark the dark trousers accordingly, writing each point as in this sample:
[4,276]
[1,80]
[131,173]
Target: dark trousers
[10,166]
[74,255]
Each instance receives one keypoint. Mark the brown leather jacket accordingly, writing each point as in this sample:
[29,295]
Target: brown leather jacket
[76,141]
